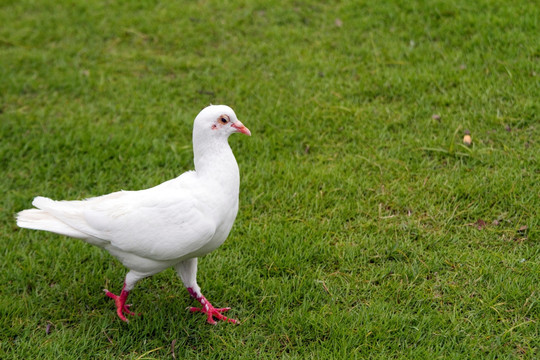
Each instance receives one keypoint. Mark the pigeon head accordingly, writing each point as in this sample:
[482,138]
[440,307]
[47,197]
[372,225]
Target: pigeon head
[219,121]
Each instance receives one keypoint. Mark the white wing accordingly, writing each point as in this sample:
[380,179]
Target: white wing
[166,222]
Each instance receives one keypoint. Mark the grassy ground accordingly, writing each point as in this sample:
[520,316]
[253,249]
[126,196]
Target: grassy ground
[366,228]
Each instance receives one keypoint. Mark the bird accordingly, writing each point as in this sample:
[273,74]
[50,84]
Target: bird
[168,225]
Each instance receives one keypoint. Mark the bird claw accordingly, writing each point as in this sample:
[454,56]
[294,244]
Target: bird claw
[120,302]
[127,311]
[212,312]
[209,309]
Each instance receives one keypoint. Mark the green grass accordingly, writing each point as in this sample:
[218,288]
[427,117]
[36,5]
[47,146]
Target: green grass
[357,235]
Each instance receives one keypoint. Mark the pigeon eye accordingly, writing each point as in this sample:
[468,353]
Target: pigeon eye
[224,119]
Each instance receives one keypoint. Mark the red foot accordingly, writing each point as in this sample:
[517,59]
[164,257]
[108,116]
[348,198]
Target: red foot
[209,310]
[120,302]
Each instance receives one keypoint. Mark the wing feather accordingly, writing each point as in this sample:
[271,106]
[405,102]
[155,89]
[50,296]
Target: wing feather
[161,223]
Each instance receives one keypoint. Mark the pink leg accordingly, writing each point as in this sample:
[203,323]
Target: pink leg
[208,309]
[120,301]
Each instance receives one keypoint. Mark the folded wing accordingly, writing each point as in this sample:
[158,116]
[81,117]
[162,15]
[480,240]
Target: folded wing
[152,223]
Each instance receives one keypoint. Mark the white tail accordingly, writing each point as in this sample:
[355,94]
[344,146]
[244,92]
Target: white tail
[42,220]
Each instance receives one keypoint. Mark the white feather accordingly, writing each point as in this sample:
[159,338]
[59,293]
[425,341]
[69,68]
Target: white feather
[150,230]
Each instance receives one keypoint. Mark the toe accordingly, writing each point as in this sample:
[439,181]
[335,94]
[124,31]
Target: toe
[220,310]
[224,318]
[127,311]
[110,294]
[121,316]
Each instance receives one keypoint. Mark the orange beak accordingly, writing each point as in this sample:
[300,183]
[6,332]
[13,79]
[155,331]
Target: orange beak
[241,128]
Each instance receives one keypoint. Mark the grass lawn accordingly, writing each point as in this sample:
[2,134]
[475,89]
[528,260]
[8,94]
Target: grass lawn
[366,229]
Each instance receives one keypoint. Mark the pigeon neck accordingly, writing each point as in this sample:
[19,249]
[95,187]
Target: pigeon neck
[215,159]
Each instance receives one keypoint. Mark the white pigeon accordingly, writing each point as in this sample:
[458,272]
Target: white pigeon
[169,225]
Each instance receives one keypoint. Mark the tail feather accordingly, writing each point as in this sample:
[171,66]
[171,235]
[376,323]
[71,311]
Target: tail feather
[42,220]
[42,202]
